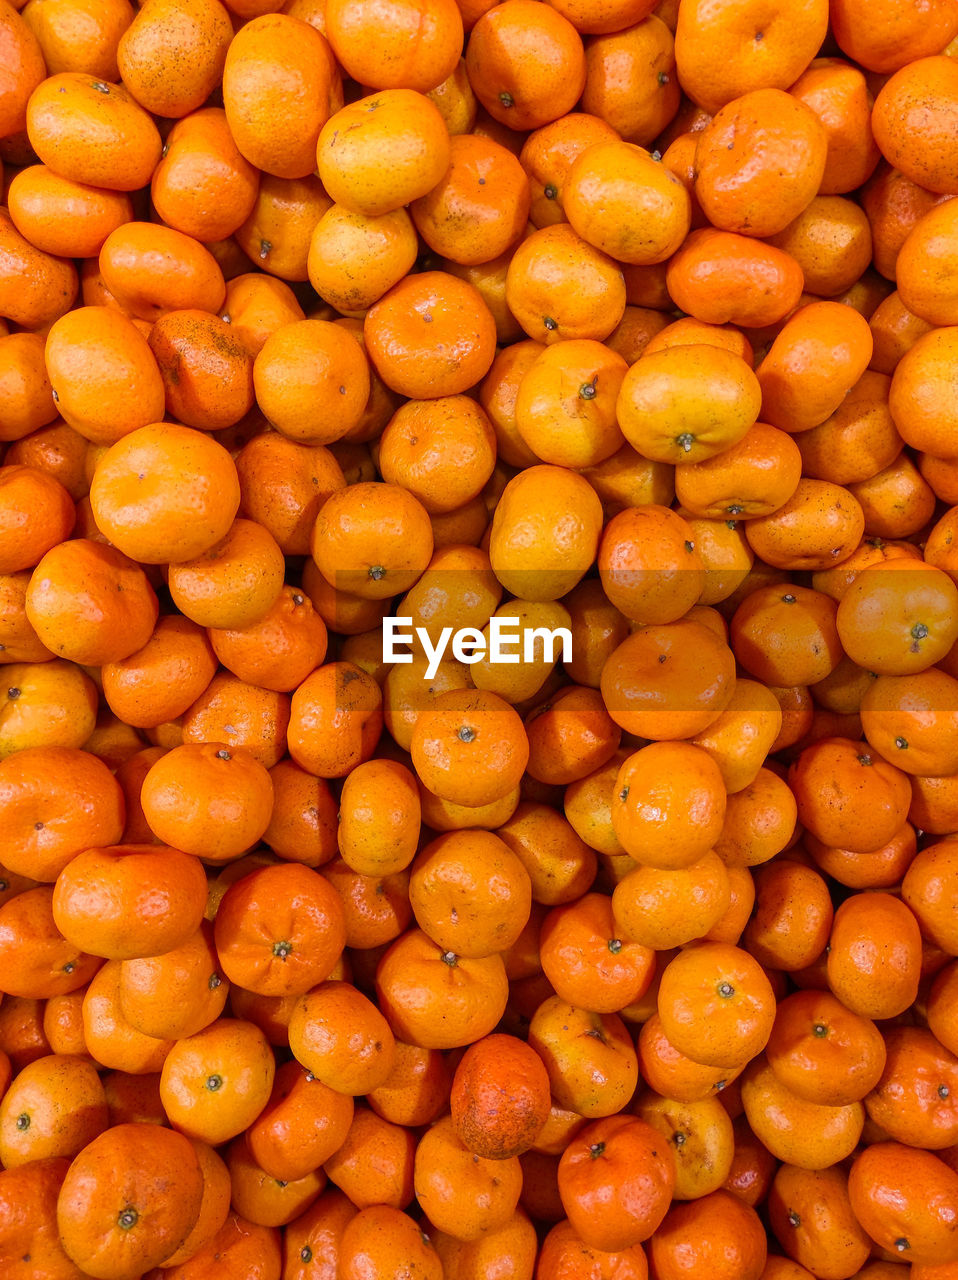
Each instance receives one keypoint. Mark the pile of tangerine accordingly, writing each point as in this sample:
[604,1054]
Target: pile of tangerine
[634,322]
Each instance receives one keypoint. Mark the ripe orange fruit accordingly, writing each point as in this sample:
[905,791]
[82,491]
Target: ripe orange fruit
[279,930]
[380,153]
[616,1178]
[719,1232]
[181,508]
[272,54]
[526,66]
[115,1210]
[716,1004]
[124,901]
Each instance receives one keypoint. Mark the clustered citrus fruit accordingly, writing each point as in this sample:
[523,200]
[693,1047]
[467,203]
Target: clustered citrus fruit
[627,322]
